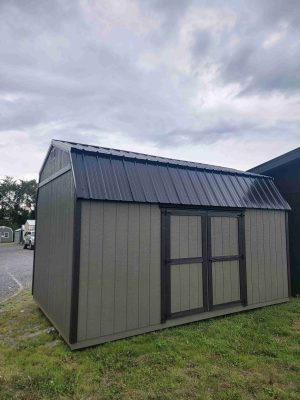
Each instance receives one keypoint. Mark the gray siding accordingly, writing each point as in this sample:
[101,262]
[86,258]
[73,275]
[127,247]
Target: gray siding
[56,160]
[186,287]
[225,274]
[185,236]
[119,292]
[266,260]
[6,230]
[119,268]
[224,236]
[226,282]
[54,250]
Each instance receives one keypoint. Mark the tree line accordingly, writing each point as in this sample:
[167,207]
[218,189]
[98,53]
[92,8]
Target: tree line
[17,201]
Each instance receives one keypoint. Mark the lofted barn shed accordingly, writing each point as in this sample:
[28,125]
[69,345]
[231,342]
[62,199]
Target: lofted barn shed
[128,243]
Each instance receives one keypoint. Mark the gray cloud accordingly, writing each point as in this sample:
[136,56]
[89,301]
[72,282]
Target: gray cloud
[64,74]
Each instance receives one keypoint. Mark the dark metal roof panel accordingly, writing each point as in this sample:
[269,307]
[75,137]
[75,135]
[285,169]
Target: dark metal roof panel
[106,177]
[103,151]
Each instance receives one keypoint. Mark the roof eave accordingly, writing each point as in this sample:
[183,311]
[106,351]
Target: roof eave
[276,162]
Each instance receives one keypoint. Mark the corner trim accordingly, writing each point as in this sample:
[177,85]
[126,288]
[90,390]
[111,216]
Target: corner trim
[75,273]
[288,254]
[36,231]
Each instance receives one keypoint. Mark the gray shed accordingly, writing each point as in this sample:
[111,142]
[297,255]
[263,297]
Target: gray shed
[6,234]
[128,243]
[18,237]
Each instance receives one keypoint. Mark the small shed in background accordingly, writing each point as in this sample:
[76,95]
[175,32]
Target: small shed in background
[18,235]
[285,170]
[6,234]
[128,243]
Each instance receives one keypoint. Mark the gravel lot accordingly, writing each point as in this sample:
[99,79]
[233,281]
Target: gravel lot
[15,269]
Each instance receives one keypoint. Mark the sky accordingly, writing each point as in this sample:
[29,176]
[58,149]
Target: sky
[216,82]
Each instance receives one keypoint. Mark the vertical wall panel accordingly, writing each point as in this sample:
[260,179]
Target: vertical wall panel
[155,265]
[144,261]
[133,267]
[266,261]
[120,314]
[95,270]
[84,272]
[108,269]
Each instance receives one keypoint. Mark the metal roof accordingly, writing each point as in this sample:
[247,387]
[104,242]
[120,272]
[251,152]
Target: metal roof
[109,174]
[277,162]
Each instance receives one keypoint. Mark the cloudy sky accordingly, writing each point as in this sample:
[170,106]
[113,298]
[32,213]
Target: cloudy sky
[209,81]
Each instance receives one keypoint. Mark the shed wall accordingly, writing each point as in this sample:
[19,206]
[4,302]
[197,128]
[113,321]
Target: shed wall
[6,230]
[266,256]
[56,160]
[54,250]
[18,236]
[119,268]
[119,288]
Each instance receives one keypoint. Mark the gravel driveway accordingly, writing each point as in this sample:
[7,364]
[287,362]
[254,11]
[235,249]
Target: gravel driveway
[15,269]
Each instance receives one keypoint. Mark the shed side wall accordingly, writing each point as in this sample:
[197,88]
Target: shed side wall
[266,256]
[119,291]
[54,250]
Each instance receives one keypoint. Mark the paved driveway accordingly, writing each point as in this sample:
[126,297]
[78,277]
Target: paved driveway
[15,269]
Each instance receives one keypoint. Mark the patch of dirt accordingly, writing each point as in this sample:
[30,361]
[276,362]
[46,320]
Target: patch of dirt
[52,344]
[296,326]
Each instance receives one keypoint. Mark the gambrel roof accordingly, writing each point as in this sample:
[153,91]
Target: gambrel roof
[115,175]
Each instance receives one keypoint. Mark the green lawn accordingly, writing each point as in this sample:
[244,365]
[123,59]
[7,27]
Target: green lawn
[253,355]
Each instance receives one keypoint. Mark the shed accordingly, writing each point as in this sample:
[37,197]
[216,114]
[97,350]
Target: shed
[129,243]
[18,236]
[285,169]
[6,234]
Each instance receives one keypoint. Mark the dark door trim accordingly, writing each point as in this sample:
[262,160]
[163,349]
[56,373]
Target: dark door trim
[207,259]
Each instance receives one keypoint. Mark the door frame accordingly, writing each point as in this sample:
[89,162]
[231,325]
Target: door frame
[206,259]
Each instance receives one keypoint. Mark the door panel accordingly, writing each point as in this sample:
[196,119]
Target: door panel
[225,260]
[185,236]
[224,236]
[225,282]
[186,287]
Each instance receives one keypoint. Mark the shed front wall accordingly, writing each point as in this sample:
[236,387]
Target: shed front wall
[6,231]
[120,269]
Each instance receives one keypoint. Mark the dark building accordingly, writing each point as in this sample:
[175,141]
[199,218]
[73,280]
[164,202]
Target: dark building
[128,243]
[285,170]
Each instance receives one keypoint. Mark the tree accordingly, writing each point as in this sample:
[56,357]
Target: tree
[17,201]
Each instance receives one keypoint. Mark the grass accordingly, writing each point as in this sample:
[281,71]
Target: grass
[253,355]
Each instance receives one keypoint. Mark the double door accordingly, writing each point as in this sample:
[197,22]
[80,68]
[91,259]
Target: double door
[203,261]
